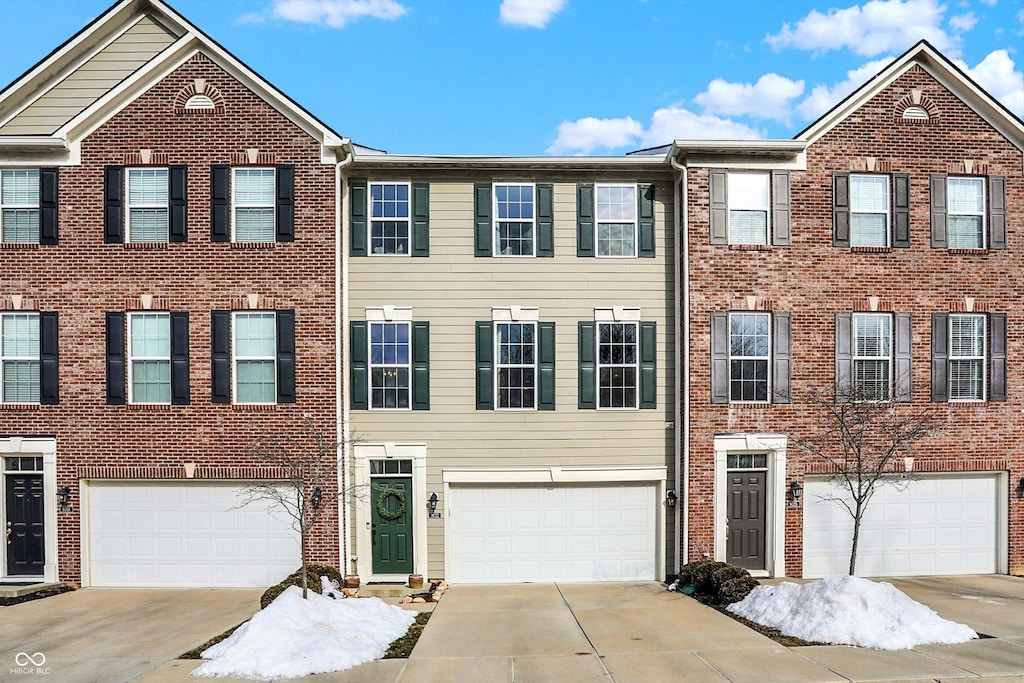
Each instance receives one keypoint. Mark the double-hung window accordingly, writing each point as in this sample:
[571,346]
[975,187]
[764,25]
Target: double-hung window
[148,208]
[390,364]
[616,220]
[516,361]
[749,357]
[869,210]
[969,357]
[19,206]
[966,357]
[617,356]
[872,356]
[19,357]
[966,197]
[967,212]
[149,358]
[617,365]
[749,208]
[254,354]
[389,218]
[514,219]
[253,194]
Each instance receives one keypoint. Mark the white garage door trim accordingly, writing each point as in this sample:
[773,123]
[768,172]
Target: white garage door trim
[917,531]
[187,534]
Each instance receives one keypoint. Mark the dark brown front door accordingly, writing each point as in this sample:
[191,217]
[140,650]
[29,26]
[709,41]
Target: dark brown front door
[24,522]
[746,512]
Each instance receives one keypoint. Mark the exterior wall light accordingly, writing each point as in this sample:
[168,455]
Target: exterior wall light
[796,493]
[316,497]
[64,497]
[432,502]
[671,498]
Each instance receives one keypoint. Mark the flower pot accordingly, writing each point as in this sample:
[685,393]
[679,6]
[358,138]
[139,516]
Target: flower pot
[415,581]
[352,581]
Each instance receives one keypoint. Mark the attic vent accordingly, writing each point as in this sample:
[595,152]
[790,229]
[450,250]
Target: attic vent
[199,97]
[916,112]
[204,102]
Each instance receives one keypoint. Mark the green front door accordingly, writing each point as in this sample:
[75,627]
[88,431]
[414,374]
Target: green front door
[391,531]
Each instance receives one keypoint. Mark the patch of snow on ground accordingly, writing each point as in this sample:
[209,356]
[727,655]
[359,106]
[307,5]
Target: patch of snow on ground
[293,637]
[848,610]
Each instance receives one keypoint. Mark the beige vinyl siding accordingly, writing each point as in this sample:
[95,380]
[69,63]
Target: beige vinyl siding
[452,290]
[93,79]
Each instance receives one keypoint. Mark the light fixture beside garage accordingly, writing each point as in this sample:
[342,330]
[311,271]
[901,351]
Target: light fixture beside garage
[671,498]
[316,497]
[432,502]
[64,498]
[796,493]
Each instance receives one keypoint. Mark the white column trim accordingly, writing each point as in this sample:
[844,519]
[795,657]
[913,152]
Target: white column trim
[47,448]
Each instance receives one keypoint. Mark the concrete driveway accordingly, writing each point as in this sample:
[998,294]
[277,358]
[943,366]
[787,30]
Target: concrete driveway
[112,635]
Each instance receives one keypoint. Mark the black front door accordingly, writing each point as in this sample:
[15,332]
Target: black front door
[746,513]
[24,522]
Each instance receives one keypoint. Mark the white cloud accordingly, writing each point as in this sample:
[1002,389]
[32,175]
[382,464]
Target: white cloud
[963,22]
[585,135]
[999,76]
[824,97]
[333,13]
[990,3]
[769,98]
[870,29]
[530,13]
[669,123]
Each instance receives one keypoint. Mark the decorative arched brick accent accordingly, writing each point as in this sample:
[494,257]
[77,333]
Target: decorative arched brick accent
[916,98]
[199,87]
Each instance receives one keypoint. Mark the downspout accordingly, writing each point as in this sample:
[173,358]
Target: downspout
[682,308]
[340,332]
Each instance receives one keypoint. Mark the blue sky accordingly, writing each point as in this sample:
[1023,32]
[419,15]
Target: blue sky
[567,77]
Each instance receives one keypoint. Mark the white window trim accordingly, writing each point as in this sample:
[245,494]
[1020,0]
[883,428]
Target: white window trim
[498,365]
[636,365]
[887,212]
[130,369]
[767,208]
[495,220]
[235,358]
[371,365]
[767,358]
[4,359]
[635,220]
[983,214]
[19,206]
[890,358]
[370,219]
[983,357]
[235,205]
[128,206]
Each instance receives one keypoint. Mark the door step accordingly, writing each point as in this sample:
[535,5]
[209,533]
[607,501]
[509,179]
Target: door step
[16,589]
[388,590]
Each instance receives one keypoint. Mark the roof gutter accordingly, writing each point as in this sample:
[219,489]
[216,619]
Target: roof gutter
[500,161]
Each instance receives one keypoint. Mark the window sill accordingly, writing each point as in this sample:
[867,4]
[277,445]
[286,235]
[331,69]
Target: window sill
[254,407]
[20,406]
[19,246]
[145,246]
[968,403]
[966,252]
[149,406]
[253,245]
[871,250]
[750,247]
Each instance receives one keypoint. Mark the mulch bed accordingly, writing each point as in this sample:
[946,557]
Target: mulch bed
[196,653]
[402,648]
[38,595]
[767,631]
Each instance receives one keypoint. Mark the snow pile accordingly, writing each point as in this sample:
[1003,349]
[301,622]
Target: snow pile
[847,610]
[293,637]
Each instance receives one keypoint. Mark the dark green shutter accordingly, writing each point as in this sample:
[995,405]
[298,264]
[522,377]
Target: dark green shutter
[718,199]
[903,380]
[940,357]
[546,366]
[781,230]
[220,356]
[996,212]
[844,356]
[48,206]
[840,209]
[49,384]
[997,357]
[584,220]
[113,204]
[180,391]
[719,357]
[357,225]
[177,203]
[220,203]
[485,365]
[115,359]
[648,365]
[782,358]
[420,219]
[285,204]
[645,212]
[421,366]
[484,229]
[587,353]
[286,356]
[545,221]
[901,210]
[940,233]
[359,373]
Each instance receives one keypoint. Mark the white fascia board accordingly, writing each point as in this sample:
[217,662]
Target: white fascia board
[549,475]
[33,142]
[770,147]
[597,163]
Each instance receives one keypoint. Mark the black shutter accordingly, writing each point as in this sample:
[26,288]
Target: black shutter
[485,365]
[584,220]
[285,213]
[997,357]
[220,203]
[719,204]
[49,384]
[719,357]
[48,206]
[545,221]
[286,356]
[782,358]
[587,354]
[420,219]
[844,356]
[940,357]
[901,210]
[781,231]
[903,380]
[180,391]
[841,210]
[645,211]
[940,234]
[357,244]
[359,373]
[113,204]
[421,366]
[648,365]
[220,356]
[115,359]
[482,220]
[546,366]
[996,212]
[177,202]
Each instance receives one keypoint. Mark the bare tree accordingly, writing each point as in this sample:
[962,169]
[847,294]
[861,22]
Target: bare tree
[864,441]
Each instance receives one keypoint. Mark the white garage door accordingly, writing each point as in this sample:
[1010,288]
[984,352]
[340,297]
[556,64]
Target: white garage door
[178,534]
[553,533]
[935,525]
